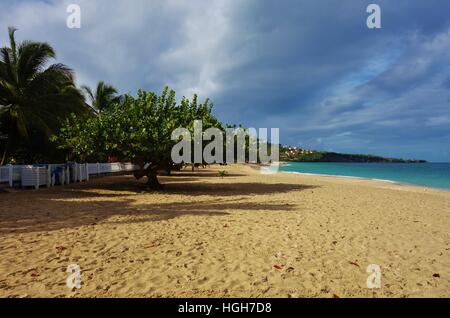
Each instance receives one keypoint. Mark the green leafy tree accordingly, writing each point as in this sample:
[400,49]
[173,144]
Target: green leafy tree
[103,97]
[33,96]
[138,129]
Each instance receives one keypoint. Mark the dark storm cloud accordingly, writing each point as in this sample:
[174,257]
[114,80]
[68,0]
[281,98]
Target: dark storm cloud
[312,68]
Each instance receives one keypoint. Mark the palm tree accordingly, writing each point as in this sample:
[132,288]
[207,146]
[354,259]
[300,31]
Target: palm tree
[103,97]
[34,98]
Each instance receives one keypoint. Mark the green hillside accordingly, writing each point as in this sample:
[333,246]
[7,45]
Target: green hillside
[320,156]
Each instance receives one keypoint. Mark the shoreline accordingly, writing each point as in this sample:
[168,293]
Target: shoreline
[393,182]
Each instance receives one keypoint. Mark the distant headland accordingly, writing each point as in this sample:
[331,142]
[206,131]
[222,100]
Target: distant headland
[303,155]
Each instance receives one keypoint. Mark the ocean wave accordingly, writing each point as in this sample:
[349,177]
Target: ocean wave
[339,176]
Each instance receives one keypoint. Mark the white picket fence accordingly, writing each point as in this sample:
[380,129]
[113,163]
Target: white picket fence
[51,174]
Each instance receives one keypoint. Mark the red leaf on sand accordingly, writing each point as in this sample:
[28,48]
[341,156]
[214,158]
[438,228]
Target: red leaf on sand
[278,266]
[355,263]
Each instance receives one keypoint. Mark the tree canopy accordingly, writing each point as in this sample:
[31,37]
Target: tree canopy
[137,129]
[33,98]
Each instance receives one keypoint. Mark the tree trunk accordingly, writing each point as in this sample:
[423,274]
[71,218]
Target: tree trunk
[5,152]
[150,172]
[2,162]
[8,145]
[152,180]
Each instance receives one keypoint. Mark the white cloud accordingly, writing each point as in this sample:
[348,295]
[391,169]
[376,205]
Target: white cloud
[146,44]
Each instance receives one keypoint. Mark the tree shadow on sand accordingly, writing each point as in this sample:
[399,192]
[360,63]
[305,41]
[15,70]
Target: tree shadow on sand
[89,204]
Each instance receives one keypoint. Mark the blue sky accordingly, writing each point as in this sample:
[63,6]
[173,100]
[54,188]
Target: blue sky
[311,68]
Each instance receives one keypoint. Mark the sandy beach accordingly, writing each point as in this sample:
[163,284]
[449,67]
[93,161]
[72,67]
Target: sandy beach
[245,235]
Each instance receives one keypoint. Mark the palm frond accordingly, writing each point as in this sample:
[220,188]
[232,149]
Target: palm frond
[88,91]
[49,81]
[8,71]
[32,59]
[12,42]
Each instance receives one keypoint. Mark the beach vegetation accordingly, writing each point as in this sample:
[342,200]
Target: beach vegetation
[223,173]
[301,155]
[103,97]
[34,96]
[136,129]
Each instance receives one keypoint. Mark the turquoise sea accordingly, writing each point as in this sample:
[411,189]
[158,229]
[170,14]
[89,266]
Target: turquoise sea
[436,175]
